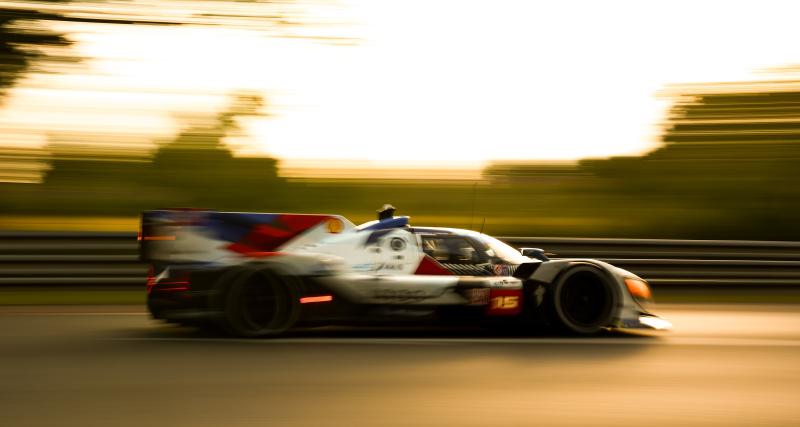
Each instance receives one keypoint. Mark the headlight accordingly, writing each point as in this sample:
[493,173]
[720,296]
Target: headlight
[639,290]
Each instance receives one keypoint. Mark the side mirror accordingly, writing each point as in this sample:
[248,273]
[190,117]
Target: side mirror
[534,253]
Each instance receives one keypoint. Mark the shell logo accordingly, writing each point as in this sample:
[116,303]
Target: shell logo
[335,225]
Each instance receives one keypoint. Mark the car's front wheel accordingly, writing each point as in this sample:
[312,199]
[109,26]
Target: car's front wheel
[583,300]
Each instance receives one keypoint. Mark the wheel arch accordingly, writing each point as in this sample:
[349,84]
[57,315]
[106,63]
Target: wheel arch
[230,283]
[555,276]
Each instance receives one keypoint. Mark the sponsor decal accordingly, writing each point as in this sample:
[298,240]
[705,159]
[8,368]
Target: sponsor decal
[334,225]
[477,296]
[505,282]
[397,244]
[378,266]
[364,267]
[400,296]
[501,270]
[388,266]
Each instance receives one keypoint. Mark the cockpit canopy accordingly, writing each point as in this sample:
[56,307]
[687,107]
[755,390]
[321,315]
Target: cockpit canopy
[450,245]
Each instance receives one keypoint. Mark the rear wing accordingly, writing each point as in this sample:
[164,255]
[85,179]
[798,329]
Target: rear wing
[186,235]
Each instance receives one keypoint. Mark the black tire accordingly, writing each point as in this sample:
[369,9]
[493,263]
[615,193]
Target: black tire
[258,303]
[584,300]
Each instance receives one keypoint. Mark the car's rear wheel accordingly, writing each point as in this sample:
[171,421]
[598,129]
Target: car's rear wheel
[584,299]
[259,302]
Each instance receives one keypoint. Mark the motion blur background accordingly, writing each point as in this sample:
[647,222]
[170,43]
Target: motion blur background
[620,119]
[645,125]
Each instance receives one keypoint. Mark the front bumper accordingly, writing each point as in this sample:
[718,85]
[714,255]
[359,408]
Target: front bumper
[646,322]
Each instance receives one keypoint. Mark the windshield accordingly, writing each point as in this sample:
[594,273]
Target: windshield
[496,248]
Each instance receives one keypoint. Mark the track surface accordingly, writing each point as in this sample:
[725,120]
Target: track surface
[89,366]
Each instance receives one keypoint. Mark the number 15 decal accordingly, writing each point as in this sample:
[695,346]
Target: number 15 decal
[505,302]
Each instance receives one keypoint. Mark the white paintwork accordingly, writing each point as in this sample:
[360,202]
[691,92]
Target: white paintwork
[396,289]
[316,234]
[375,258]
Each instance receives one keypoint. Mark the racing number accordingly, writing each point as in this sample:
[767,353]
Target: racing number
[505,302]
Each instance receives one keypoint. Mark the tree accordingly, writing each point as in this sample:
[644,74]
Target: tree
[198,165]
[23,40]
[27,37]
[728,168]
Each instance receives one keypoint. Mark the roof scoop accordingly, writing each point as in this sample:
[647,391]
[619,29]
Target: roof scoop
[386,220]
[386,212]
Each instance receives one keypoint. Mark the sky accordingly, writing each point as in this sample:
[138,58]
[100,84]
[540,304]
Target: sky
[431,83]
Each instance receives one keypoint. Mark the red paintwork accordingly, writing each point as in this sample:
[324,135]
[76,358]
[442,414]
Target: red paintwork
[493,310]
[268,237]
[431,267]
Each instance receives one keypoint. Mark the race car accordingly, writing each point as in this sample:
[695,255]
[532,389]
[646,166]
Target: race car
[262,274]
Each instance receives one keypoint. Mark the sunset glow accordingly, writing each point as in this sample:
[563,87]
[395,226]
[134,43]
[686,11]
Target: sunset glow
[444,82]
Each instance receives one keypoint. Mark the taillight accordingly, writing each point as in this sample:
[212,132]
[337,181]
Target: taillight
[174,284]
[168,284]
[151,279]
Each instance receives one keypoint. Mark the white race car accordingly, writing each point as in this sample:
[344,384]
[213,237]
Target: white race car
[260,274]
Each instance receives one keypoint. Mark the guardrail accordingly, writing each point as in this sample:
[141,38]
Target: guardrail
[70,259]
[685,262]
[111,259]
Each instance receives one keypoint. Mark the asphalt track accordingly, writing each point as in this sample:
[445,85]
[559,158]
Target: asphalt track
[113,366]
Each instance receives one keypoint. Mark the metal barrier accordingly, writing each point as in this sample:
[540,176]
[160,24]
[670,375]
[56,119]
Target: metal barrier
[685,262]
[111,259]
[70,259]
